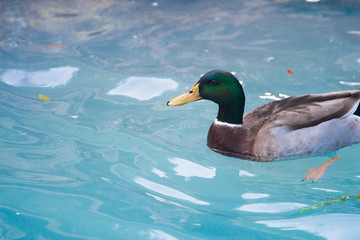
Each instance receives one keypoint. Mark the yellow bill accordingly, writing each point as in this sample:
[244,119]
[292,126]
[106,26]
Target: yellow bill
[190,96]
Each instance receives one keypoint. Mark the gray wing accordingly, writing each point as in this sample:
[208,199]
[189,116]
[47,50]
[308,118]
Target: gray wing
[306,110]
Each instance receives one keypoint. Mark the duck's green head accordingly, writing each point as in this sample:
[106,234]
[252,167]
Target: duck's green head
[220,87]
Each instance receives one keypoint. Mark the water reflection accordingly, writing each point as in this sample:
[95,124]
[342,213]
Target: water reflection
[330,226]
[143,88]
[159,172]
[271,96]
[167,191]
[246,173]
[325,189]
[158,234]
[271,207]
[52,77]
[189,169]
[160,199]
[10,232]
[254,195]
[350,83]
[116,138]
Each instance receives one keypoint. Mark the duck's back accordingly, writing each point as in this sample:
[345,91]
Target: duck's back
[305,110]
[305,125]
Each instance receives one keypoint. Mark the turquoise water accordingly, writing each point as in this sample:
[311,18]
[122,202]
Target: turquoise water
[105,158]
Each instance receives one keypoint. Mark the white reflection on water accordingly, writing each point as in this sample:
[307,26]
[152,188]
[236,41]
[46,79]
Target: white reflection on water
[330,226]
[156,187]
[350,83]
[164,200]
[159,173]
[246,173]
[326,189]
[269,59]
[160,235]
[271,96]
[271,207]
[143,88]
[52,77]
[254,195]
[187,168]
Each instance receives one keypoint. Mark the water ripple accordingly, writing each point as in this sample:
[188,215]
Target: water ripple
[59,76]
[330,226]
[167,191]
[271,207]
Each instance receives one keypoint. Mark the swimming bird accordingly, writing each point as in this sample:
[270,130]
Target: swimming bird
[293,127]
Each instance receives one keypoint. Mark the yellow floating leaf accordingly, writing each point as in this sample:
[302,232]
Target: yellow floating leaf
[44,98]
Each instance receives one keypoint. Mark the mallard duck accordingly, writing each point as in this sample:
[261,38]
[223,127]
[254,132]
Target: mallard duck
[288,128]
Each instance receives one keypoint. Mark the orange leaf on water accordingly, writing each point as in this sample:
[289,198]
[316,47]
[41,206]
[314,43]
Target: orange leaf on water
[56,46]
[289,72]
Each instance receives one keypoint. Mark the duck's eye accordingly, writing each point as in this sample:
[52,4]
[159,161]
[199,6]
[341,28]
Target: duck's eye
[213,82]
[191,91]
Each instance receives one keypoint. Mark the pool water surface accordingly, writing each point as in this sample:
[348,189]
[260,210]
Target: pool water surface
[101,156]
